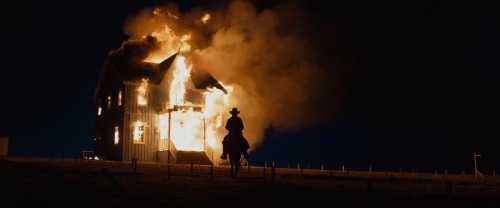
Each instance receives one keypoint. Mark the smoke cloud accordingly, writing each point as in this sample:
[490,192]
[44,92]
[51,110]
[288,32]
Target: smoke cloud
[281,61]
[135,50]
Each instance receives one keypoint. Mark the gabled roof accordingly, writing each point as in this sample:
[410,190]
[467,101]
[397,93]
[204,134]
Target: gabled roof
[136,71]
[204,80]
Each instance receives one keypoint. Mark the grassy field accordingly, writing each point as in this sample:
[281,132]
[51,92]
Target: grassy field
[58,182]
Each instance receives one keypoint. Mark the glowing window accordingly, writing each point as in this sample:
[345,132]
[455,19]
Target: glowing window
[142,95]
[139,132]
[117,134]
[99,108]
[119,97]
[109,102]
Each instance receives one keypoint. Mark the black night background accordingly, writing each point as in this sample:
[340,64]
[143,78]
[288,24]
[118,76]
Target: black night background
[419,92]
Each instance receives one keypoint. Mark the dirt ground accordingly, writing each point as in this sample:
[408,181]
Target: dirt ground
[58,182]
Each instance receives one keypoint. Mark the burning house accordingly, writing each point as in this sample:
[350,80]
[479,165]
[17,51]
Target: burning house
[158,112]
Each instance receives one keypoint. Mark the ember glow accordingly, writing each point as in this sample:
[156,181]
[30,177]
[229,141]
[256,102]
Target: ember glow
[203,20]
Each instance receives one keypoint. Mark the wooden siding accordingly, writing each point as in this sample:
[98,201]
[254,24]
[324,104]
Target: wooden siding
[148,114]
[105,123]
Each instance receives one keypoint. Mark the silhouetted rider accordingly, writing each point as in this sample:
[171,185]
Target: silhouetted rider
[235,127]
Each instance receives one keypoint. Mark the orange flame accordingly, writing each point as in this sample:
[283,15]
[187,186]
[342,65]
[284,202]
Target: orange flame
[188,126]
[142,92]
[138,132]
[205,18]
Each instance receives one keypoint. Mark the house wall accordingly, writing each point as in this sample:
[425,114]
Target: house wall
[109,118]
[147,151]
[130,112]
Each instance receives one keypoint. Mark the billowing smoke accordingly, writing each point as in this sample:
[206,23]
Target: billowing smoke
[278,59]
[135,50]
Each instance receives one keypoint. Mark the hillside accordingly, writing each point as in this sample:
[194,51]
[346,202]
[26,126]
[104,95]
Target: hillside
[58,182]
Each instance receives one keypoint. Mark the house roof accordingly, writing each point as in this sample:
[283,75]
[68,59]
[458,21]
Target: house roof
[204,80]
[136,71]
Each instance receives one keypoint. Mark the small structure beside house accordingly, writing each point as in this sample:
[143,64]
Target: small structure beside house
[4,146]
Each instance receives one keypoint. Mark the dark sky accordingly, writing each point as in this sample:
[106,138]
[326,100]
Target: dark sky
[423,95]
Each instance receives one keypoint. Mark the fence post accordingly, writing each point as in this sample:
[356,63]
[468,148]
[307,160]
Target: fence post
[212,173]
[134,164]
[369,185]
[191,170]
[168,171]
[450,188]
[273,176]
[264,171]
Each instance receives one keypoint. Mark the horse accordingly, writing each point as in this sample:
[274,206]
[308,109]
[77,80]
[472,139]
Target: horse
[234,146]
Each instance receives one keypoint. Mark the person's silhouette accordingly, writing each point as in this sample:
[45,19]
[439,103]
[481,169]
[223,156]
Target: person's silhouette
[235,127]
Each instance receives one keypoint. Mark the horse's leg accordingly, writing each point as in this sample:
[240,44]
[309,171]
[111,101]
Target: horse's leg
[231,161]
[237,164]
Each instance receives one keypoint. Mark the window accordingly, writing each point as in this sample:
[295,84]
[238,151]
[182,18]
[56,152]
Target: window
[142,95]
[109,102]
[119,97]
[117,134]
[139,132]
[99,108]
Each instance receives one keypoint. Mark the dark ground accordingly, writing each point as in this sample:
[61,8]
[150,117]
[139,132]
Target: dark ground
[57,182]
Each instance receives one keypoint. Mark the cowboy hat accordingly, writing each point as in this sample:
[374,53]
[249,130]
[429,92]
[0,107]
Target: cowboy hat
[234,111]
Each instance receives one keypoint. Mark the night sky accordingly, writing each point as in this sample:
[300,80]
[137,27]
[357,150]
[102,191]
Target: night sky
[419,93]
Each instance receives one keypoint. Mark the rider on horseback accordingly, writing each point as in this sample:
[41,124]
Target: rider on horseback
[235,127]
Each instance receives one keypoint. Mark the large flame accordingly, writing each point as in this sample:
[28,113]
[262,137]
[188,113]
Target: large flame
[178,86]
[188,126]
[192,127]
